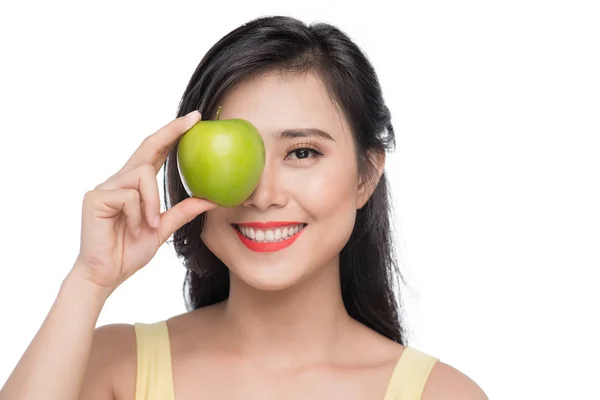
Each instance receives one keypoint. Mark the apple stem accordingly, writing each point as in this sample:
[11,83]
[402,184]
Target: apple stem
[219,112]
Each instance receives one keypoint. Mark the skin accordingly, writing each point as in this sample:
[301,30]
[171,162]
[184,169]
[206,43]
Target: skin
[283,332]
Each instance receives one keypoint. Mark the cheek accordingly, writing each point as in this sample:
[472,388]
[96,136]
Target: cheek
[214,230]
[327,191]
[330,201]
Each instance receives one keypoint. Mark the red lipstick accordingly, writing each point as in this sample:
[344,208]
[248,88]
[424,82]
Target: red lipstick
[263,247]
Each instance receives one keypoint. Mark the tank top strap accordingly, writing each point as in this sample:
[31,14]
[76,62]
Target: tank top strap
[410,375]
[154,379]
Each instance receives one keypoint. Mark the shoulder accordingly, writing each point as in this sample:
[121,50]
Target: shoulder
[112,362]
[448,383]
[114,343]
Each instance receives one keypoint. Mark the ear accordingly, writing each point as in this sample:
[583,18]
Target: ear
[374,163]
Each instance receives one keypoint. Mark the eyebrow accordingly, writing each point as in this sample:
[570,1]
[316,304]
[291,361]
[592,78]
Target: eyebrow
[302,132]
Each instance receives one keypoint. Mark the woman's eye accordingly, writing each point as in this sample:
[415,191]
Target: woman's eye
[302,153]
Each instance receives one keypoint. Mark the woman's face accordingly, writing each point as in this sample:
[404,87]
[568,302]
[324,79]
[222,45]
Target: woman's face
[307,195]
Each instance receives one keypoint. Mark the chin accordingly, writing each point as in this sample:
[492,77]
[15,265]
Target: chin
[268,276]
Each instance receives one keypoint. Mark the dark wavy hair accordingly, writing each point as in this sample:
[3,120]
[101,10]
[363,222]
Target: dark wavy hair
[368,267]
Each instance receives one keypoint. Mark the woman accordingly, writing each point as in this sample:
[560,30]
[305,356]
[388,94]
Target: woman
[315,319]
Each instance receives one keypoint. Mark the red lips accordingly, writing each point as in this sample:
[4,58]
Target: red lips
[262,247]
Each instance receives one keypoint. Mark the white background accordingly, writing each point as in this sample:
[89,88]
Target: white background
[496,107]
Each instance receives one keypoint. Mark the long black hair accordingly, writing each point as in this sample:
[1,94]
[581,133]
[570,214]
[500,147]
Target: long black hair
[368,268]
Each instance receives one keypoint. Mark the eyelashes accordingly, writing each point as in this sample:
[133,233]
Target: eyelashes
[303,151]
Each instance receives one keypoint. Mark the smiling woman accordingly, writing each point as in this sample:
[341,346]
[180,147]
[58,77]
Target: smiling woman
[291,294]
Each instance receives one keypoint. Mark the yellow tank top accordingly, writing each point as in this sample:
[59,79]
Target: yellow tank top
[154,379]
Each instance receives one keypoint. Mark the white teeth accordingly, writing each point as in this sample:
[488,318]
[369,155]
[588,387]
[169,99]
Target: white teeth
[270,235]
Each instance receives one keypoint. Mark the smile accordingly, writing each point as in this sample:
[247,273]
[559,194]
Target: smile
[267,237]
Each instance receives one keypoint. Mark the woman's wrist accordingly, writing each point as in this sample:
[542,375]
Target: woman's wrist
[77,285]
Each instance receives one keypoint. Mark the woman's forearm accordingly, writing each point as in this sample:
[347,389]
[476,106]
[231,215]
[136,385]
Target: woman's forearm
[54,364]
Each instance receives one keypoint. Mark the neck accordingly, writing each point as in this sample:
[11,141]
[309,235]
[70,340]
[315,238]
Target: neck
[302,322]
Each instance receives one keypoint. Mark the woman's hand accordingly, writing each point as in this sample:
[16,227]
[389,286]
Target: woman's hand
[122,227]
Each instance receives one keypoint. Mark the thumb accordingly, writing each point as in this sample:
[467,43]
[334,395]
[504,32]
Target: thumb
[180,214]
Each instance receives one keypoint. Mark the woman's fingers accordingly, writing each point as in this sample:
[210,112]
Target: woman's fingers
[156,147]
[109,203]
[180,214]
[142,179]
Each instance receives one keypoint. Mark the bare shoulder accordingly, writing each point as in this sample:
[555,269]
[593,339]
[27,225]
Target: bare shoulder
[112,363]
[448,383]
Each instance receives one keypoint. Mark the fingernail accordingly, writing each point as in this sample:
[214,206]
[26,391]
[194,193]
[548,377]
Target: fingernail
[193,114]
[156,221]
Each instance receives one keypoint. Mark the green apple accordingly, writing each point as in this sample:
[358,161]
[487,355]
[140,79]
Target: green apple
[221,160]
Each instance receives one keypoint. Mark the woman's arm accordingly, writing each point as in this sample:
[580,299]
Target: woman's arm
[121,230]
[54,364]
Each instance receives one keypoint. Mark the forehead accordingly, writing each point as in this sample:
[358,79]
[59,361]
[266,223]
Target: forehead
[275,101]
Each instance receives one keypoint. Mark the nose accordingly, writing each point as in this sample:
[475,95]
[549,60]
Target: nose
[269,192]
